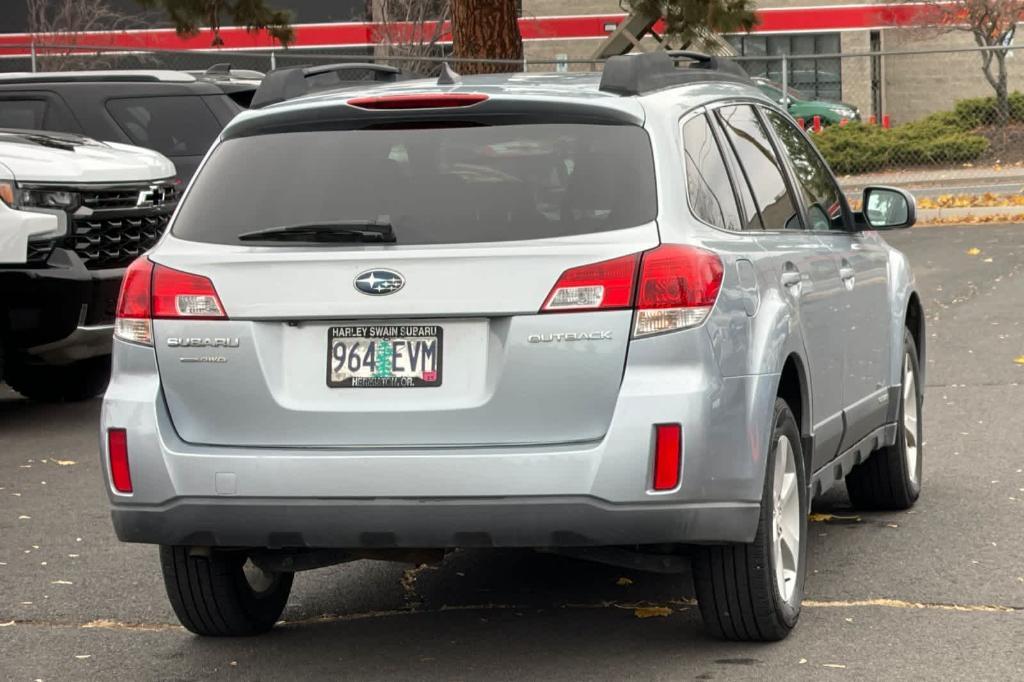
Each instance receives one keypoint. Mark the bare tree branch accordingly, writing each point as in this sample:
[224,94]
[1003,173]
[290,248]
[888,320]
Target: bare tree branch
[990,23]
[408,30]
[58,27]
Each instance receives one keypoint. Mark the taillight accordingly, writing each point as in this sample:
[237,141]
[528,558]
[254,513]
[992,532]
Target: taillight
[677,289]
[150,291]
[134,307]
[439,100]
[183,295]
[598,286]
[117,451]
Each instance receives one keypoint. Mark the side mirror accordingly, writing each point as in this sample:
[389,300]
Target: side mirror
[887,208]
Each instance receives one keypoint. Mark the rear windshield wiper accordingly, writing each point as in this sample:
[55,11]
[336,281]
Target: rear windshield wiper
[339,231]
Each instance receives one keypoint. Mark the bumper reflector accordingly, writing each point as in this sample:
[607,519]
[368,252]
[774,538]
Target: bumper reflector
[668,442]
[117,448]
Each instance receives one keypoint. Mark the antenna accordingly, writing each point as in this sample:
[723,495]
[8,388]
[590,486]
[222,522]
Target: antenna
[448,76]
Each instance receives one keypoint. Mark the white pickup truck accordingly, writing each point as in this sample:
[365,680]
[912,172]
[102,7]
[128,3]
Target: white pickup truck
[74,212]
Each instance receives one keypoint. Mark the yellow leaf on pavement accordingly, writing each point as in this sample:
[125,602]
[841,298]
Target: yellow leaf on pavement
[64,462]
[825,518]
[623,582]
[1019,359]
[973,251]
[652,612]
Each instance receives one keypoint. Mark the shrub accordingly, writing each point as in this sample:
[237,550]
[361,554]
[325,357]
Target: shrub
[937,139]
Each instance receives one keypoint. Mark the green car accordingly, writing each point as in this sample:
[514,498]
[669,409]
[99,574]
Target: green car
[801,107]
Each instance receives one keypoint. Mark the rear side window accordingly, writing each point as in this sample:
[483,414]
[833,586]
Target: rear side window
[820,192]
[174,126]
[762,168]
[707,180]
[27,114]
[435,185]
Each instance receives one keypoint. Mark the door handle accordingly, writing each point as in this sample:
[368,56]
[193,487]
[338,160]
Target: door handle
[791,278]
[847,274]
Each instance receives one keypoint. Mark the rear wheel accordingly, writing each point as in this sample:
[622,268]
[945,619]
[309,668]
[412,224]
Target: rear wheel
[80,380]
[891,476]
[220,593]
[753,592]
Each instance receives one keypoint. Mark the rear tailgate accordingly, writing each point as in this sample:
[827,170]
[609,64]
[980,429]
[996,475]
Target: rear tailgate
[486,219]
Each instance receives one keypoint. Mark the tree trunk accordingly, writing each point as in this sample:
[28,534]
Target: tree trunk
[486,29]
[1002,90]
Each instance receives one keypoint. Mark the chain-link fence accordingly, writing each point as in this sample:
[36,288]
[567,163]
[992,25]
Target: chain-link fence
[923,115]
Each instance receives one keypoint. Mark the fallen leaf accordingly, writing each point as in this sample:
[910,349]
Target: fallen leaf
[833,665]
[802,661]
[893,525]
[623,582]
[973,251]
[64,462]
[23,516]
[7,624]
[1019,359]
[83,656]
[825,518]
[652,612]
[61,582]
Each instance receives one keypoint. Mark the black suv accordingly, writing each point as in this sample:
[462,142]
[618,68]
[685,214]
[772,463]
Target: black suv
[168,111]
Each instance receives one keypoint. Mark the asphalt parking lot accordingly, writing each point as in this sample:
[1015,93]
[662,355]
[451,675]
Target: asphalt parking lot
[934,593]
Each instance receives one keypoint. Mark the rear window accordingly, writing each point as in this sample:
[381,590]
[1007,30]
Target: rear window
[174,126]
[434,185]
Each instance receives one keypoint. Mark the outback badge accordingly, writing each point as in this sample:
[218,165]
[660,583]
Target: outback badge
[379,282]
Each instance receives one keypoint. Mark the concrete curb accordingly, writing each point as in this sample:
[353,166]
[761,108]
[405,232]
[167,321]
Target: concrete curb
[929,214]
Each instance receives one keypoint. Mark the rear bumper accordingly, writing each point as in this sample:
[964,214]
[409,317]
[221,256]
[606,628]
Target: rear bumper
[518,522]
[561,494]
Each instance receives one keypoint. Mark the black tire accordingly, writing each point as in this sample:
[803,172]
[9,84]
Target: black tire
[80,380]
[884,481]
[212,596]
[736,585]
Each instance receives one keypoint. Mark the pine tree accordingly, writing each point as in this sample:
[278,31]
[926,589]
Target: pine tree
[688,21]
[190,16]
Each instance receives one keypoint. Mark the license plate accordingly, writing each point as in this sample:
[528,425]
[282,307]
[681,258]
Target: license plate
[384,356]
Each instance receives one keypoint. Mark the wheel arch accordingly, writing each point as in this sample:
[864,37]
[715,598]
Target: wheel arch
[794,388]
[914,322]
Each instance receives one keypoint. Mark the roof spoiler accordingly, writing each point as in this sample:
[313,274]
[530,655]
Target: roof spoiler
[636,74]
[285,84]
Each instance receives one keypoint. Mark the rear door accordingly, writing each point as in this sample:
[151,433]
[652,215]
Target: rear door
[863,271]
[799,266]
[435,340]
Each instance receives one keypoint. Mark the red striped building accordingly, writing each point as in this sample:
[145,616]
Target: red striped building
[813,32]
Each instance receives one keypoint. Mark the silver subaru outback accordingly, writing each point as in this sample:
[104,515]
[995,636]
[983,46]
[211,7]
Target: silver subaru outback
[630,312]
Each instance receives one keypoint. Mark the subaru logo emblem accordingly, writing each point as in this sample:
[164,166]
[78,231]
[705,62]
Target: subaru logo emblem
[379,282]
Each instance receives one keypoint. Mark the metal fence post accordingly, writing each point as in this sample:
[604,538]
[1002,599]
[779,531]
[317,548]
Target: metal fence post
[33,52]
[273,60]
[785,81]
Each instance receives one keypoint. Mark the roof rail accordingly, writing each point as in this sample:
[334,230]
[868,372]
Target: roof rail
[125,76]
[636,74]
[285,84]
